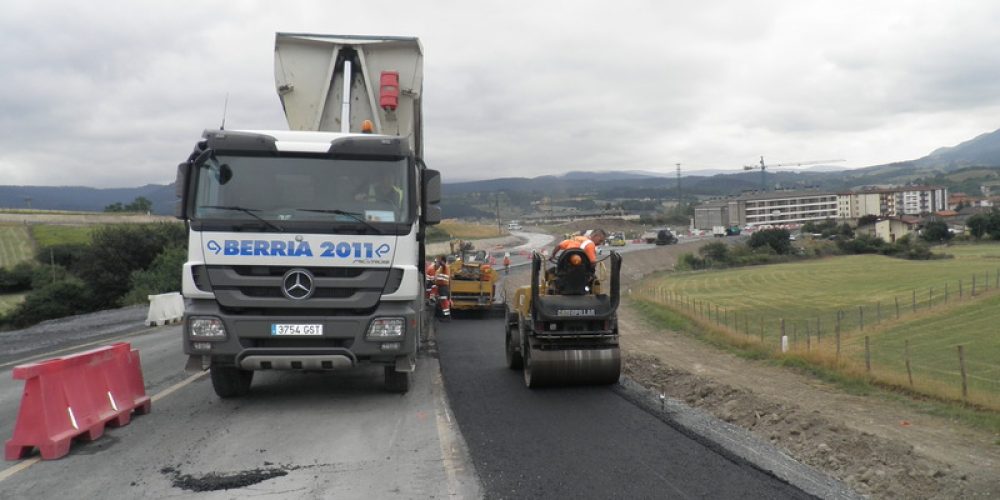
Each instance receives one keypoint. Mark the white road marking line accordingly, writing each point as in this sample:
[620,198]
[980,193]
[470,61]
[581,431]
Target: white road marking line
[79,346]
[10,471]
[170,390]
[446,438]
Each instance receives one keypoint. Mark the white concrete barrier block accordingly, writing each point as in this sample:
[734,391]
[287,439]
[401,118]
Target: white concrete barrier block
[165,308]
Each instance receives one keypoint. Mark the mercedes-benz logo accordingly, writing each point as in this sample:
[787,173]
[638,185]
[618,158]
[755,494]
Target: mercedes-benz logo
[298,284]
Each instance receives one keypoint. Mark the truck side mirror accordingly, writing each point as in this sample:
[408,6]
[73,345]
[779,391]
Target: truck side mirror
[180,189]
[432,197]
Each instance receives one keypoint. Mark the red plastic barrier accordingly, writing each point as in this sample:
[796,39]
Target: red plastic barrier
[75,397]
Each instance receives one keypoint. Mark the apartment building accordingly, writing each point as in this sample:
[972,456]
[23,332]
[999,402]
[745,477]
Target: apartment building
[894,202]
[775,208]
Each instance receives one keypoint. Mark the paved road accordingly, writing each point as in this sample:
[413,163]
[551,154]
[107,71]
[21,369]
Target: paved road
[303,435]
[575,442]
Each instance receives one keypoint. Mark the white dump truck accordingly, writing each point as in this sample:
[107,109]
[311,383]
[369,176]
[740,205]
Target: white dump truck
[306,245]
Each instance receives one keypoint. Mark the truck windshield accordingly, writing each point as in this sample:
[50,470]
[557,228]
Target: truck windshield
[296,189]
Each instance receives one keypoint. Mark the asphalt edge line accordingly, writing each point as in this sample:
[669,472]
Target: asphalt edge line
[18,467]
[734,442]
[78,346]
[24,464]
[463,479]
[179,385]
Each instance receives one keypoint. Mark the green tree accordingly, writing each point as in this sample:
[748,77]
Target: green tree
[978,225]
[936,231]
[140,204]
[777,240]
[115,207]
[867,219]
[117,251]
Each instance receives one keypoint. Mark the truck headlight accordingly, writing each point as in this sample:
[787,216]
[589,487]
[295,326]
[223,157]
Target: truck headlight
[207,328]
[386,329]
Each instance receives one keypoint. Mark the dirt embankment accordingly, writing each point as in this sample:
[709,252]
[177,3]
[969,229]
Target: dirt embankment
[881,447]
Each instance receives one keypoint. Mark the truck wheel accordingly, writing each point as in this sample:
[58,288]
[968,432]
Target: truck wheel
[514,359]
[230,381]
[398,382]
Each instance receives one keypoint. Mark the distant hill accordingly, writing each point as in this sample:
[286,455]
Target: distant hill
[79,198]
[964,166]
[983,150]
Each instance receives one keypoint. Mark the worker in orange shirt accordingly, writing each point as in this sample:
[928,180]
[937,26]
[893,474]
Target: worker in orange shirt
[506,262]
[586,242]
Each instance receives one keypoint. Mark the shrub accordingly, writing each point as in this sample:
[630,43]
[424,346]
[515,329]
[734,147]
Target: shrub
[163,276]
[117,251]
[717,252]
[55,300]
[690,262]
[67,255]
[16,279]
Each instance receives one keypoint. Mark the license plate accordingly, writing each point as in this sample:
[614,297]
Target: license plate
[278,329]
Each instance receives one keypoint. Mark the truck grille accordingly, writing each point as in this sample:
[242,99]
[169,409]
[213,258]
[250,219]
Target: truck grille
[260,287]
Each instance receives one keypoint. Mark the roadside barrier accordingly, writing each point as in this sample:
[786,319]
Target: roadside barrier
[164,309]
[75,397]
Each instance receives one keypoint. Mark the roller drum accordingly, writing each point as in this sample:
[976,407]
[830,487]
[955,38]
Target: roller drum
[571,366]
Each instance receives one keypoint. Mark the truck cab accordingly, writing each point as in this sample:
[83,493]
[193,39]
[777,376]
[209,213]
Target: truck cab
[305,246]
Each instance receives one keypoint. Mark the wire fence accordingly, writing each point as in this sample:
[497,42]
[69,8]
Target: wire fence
[942,341]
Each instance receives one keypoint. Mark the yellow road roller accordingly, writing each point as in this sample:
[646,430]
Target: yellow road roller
[563,328]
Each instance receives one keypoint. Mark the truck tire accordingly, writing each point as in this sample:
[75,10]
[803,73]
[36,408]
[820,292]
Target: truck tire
[398,382]
[230,381]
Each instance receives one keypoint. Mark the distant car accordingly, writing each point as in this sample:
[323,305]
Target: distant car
[617,240]
[664,237]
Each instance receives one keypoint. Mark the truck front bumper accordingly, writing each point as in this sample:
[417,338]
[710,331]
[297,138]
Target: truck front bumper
[250,344]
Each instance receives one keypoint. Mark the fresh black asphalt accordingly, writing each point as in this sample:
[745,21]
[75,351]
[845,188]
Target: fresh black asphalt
[580,442]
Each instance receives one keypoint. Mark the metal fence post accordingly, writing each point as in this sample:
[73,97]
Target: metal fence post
[868,357]
[909,372]
[961,364]
[838,335]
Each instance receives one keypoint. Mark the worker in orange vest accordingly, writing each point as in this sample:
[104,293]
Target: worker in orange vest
[506,262]
[586,242]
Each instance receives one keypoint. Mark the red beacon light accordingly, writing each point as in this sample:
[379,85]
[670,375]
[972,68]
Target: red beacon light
[389,90]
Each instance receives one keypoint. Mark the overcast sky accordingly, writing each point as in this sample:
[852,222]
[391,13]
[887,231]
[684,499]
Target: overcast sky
[104,93]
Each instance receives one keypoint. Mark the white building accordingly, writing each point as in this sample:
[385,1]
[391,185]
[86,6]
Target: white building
[895,202]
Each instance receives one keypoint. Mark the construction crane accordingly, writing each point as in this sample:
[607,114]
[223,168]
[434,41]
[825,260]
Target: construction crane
[763,168]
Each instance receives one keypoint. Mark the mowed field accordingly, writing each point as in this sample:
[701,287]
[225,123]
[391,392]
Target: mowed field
[865,289]
[455,228]
[49,234]
[15,245]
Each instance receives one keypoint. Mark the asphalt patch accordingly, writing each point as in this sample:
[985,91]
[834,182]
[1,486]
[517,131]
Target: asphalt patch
[214,481]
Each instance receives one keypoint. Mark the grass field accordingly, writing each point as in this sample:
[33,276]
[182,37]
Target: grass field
[15,245]
[9,302]
[48,235]
[469,231]
[752,302]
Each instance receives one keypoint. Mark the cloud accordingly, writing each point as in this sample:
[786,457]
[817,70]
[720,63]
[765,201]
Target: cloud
[114,93]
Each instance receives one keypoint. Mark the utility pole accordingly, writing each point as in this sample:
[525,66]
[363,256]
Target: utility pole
[679,199]
[496,199]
